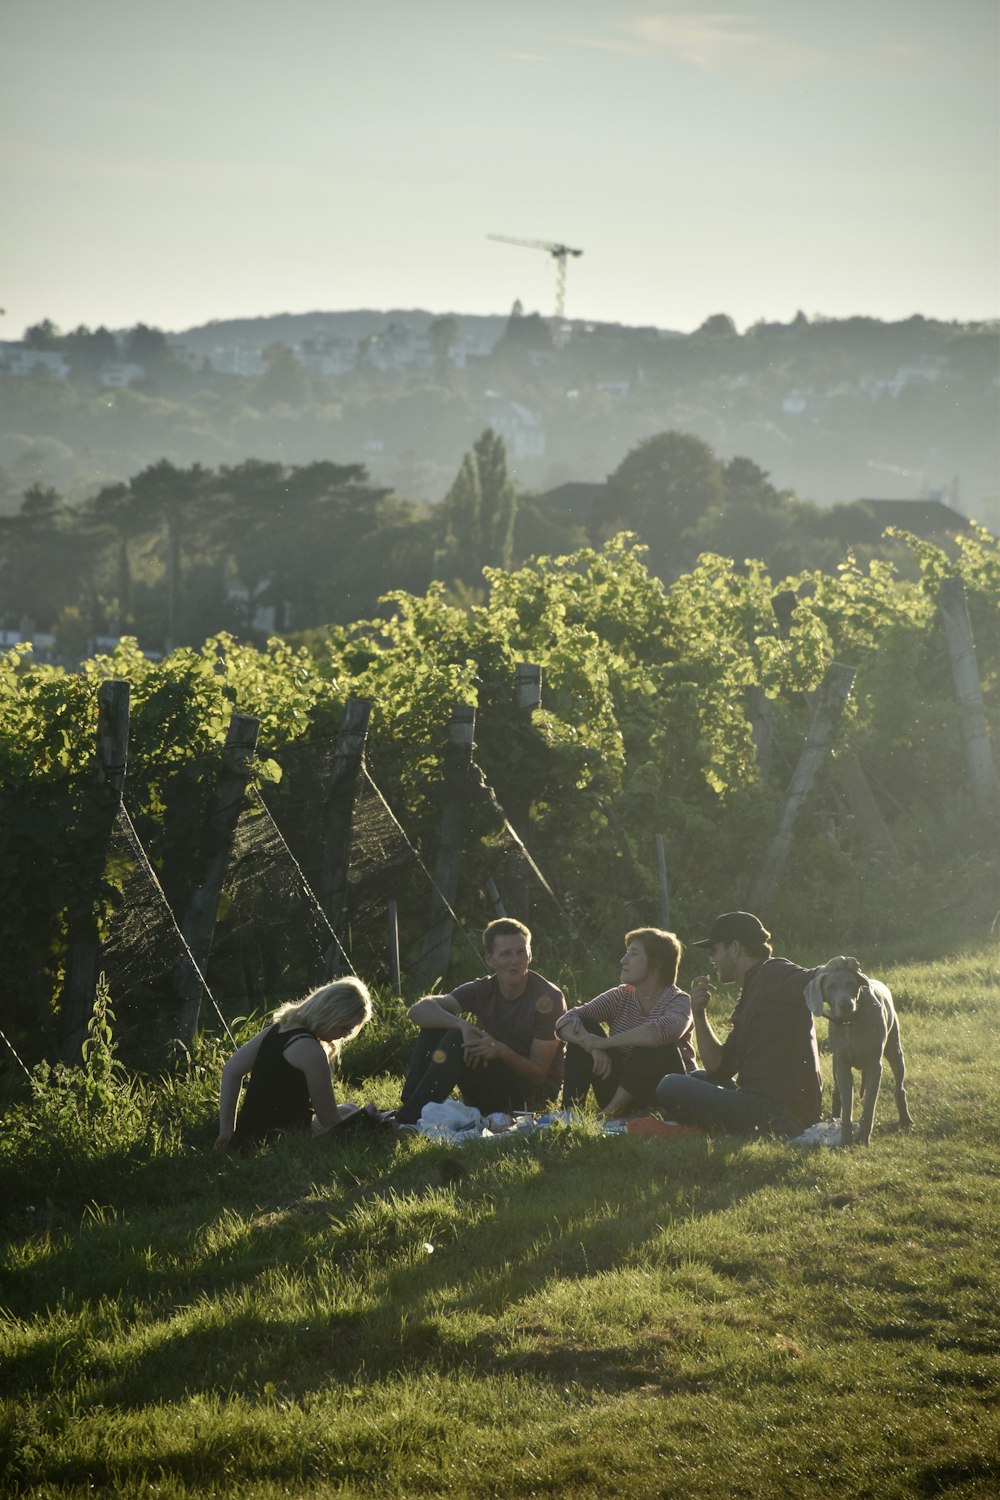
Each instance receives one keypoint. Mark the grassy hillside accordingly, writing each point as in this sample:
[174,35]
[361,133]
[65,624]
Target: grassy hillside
[566,1314]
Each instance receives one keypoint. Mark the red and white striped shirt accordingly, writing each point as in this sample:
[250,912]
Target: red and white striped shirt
[670,1014]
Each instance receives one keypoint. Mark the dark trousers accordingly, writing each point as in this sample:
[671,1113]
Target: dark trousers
[637,1071]
[437,1066]
[699,1100]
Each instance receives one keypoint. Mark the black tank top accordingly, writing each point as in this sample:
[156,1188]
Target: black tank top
[277,1095]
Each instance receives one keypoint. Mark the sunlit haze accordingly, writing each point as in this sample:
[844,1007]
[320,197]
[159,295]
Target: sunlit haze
[225,158]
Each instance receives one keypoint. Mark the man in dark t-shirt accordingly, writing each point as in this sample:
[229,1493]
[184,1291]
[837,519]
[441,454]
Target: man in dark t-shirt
[770,1052]
[507,1056]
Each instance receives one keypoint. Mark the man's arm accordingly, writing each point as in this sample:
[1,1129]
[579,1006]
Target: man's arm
[441,1013]
[533,1069]
[709,1046]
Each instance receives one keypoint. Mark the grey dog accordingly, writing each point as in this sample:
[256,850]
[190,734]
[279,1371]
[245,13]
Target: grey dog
[864,1027]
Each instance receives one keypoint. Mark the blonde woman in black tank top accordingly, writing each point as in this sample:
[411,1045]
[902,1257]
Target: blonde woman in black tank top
[289,1063]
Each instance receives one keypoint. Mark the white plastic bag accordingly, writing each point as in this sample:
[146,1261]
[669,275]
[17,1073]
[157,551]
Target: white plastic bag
[451,1117]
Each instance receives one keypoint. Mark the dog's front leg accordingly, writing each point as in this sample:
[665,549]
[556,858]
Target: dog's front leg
[871,1082]
[845,1090]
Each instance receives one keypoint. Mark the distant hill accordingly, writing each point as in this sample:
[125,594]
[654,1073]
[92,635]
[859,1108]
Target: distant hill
[292,328]
[832,409]
[358,323]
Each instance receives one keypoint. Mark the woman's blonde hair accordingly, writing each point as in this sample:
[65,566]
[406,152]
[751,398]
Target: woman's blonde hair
[345,1002]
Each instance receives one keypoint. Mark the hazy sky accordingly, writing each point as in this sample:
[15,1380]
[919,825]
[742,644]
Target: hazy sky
[171,163]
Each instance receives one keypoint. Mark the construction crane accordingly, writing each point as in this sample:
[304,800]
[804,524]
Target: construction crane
[558,253]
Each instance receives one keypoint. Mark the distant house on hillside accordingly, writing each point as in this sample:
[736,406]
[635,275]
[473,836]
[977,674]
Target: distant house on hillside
[923,372]
[120,373]
[925,518]
[397,347]
[16,360]
[519,426]
[469,348]
[578,500]
[238,359]
[328,354]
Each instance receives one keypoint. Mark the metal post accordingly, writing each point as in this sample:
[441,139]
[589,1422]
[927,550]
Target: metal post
[661,865]
[394,969]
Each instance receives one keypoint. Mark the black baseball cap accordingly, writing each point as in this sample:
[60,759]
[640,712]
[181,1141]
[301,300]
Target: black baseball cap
[735,927]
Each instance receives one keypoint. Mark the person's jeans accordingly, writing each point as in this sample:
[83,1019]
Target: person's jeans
[696,1099]
[437,1066]
[637,1071]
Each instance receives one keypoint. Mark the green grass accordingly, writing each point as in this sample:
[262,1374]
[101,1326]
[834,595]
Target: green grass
[564,1314]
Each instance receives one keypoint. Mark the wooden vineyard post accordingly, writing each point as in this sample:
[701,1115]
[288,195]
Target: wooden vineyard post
[527,687]
[847,770]
[347,761]
[83,953]
[198,924]
[514,895]
[830,701]
[458,764]
[969,695]
[760,712]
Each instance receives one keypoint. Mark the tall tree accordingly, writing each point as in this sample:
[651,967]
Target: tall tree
[443,333]
[45,558]
[43,335]
[173,497]
[294,535]
[114,507]
[87,351]
[462,515]
[479,513]
[660,490]
[148,347]
[499,499]
[284,381]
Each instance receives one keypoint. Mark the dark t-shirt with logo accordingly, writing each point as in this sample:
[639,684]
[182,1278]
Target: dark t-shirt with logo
[517,1023]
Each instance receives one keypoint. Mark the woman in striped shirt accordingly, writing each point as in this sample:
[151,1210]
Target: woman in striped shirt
[649,1029]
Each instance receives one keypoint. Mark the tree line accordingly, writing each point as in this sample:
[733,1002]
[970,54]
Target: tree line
[258,548]
[837,409]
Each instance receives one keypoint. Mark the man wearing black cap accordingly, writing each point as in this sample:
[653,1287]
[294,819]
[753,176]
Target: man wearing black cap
[771,1050]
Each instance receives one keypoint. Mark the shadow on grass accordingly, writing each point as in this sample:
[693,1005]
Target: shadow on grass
[504,1220]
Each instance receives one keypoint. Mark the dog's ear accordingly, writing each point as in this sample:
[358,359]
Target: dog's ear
[813,994]
[853,964]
